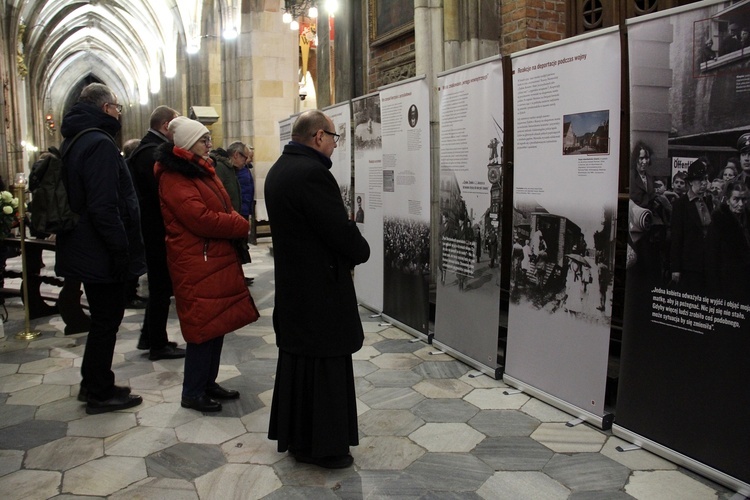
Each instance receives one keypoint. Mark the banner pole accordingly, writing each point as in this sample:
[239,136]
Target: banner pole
[20,189]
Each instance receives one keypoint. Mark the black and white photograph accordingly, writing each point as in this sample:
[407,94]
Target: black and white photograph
[366,117]
[688,256]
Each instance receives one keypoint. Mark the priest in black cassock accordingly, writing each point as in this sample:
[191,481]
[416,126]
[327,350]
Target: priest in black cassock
[315,317]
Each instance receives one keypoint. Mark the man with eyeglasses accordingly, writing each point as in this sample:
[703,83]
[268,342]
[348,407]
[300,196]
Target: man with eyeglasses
[316,320]
[141,162]
[105,249]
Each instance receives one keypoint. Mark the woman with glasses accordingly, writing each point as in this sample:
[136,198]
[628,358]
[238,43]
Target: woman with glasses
[209,287]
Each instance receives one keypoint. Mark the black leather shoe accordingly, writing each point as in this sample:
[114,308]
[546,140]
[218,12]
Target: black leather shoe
[331,462]
[203,403]
[218,392]
[166,352]
[136,303]
[249,281]
[117,402]
[144,344]
[83,393]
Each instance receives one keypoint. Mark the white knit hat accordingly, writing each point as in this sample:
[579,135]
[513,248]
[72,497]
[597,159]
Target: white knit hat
[186,131]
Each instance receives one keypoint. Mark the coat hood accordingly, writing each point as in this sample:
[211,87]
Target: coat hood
[171,158]
[84,115]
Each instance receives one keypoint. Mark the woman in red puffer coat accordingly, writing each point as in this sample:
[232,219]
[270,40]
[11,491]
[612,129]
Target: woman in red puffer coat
[209,286]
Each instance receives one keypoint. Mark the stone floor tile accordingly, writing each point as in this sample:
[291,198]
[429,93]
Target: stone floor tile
[62,410]
[445,410]
[47,365]
[185,461]
[513,453]
[391,346]
[442,388]
[363,368]
[396,361]
[293,473]
[140,441]
[449,437]
[64,453]
[587,472]
[10,461]
[634,459]
[495,423]
[268,351]
[210,430]
[103,476]
[66,376]
[494,399]
[389,423]
[31,433]
[394,333]
[13,415]
[441,369]
[157,380]
[544,412]
[102,425]
[391,398]
[238,481]
[377,485]
[667,485]
[362,385]
[30,484]
[385,453]
[71,352]
[371,338]
[252,448]
[257,421]
[8,369]
[450,472]
[431,353]
[365,353]
[599,495]
[482,381]
[39,395]
[158,488]
[166,415]
[563,439]
[302,493]
[19,381]
[522,486]
[393,378]
[169,365]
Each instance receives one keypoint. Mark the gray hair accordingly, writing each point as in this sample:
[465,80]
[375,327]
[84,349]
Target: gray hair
[236,147]
[97,94]
[308,124]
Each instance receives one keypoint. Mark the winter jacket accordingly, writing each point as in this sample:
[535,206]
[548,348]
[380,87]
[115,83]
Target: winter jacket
[315,246]
[247,188]
[209,285]
[141,165]
[225,172]
[106,244]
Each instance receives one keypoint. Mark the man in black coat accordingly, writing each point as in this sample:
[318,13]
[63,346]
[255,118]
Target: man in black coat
[316,319]
[141,162]
[691,216]
[105,248]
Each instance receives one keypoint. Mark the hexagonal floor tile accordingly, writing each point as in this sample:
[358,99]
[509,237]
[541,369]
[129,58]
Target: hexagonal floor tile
[238,481]
[103,476]
[64,453]
[563,439]
[389,423]
[386,453]
[450,437]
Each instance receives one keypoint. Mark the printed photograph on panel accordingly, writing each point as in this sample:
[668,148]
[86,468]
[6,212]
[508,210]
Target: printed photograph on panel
[586,133]
[366,113]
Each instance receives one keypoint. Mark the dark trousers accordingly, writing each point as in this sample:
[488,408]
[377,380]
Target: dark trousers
[201,367]
[106,307]
[157,308]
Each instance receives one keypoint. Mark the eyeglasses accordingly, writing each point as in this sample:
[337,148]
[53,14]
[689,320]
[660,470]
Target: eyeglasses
[118,107]
[242,155]
[336,137]
[206,140]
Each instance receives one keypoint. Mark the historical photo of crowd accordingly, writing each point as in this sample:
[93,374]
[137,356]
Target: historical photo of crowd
[586,133]
[558,267]
[469,238]
[367,134]
[690,177]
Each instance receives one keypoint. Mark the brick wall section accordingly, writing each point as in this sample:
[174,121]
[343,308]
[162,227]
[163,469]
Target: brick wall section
[382,57]
[530,23]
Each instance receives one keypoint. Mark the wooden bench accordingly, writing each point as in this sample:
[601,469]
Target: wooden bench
[67,303]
